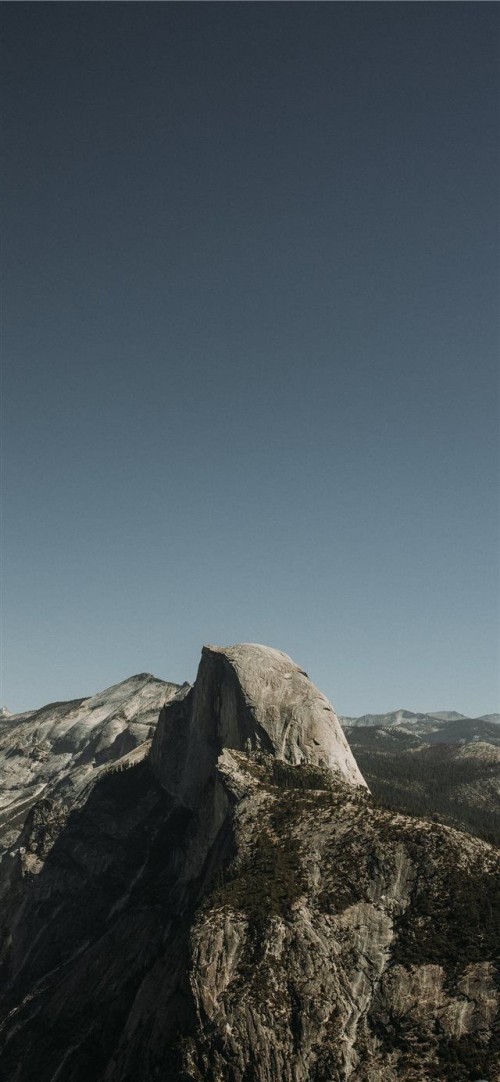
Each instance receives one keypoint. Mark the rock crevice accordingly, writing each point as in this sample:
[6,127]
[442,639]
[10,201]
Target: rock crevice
[232,906]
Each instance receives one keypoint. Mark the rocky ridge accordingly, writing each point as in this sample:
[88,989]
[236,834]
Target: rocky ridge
[232,907]
[57,750]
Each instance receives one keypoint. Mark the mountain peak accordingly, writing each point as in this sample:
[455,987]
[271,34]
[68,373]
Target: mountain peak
[247,697]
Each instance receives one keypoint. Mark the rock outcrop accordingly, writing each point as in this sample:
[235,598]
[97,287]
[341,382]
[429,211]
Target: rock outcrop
[233,907]
[62,747]
[247,697]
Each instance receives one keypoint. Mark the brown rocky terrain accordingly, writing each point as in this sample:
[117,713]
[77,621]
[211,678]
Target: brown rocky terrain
[229,905]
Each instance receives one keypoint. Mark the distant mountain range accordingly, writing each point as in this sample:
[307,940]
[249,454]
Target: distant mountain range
[442,764]
[405,718]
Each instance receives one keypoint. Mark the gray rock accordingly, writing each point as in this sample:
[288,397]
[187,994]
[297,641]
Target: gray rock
[62,747]
[247,697]
[259,921]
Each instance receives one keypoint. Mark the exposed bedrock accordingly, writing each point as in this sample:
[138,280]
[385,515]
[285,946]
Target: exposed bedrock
[234,907]
[247,697]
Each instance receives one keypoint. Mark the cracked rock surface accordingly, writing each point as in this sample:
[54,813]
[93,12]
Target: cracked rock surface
[231,906]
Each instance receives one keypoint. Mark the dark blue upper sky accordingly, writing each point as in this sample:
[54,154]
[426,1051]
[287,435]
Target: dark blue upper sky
[251,345]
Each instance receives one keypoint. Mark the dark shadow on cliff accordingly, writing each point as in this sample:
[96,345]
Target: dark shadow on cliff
[109,912]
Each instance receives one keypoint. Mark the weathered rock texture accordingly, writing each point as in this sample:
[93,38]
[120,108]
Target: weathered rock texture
[247,697]
[257,921]
[64,746]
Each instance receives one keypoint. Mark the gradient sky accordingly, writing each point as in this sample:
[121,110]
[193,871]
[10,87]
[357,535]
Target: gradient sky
[251,345]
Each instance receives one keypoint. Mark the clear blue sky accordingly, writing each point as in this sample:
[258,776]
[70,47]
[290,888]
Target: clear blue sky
[250,345]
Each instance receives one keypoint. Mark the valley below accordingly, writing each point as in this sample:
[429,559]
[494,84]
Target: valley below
[447,769]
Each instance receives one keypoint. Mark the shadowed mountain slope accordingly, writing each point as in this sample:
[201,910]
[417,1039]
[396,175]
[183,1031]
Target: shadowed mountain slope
[233,907]
[59,748]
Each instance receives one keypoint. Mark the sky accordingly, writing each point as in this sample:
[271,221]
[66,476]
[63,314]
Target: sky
[250,345]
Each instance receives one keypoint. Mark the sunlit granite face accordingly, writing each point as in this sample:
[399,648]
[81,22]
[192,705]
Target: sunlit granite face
[247,697]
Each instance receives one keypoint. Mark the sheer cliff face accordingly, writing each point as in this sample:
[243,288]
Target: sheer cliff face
[247,697]
[234,908]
